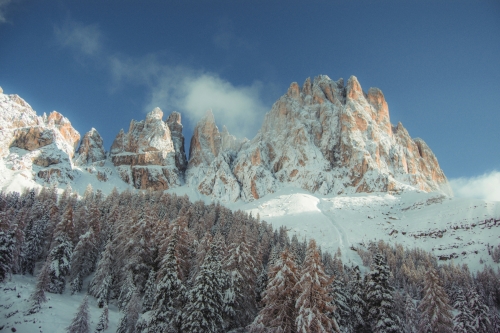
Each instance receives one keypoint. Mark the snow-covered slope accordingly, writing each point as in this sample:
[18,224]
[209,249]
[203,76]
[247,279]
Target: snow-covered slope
[453,229]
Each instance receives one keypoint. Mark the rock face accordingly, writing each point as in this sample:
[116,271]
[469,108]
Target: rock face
[324,137]
[41,144]
[146,156]
[91,149]
[211,157]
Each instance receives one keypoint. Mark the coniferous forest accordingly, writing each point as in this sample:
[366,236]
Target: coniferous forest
[171,265]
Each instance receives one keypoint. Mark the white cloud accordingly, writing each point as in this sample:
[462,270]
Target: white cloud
[192,92]
[3,6]
[172,87]
[82,38]
[486,187]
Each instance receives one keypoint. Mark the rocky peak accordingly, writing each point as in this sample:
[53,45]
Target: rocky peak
[91,148]
[175,126]
[206,141]
[150,155]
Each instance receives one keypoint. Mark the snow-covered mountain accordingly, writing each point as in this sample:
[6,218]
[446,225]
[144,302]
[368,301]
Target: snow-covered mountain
[327,163]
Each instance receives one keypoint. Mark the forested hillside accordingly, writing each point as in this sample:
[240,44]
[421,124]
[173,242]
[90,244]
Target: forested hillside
[171,265]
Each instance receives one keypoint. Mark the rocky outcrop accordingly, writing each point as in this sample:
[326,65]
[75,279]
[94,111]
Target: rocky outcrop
[45,144]
[211,157]
[148,156]
[91,149]
[324,137]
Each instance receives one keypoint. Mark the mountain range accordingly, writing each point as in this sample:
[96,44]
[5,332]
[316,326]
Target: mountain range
[327,163]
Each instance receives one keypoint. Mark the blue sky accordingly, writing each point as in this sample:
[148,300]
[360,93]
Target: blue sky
[103,63]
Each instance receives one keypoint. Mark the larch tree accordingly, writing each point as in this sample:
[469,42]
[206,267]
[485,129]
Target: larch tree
[278,313]
[81,321]
[434,308]
[314,302]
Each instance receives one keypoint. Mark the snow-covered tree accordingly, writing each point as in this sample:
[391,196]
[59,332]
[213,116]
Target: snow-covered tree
[479,311]
[278,312]
[241,267]
[38,296]
[314,302]
[6,254]
[149,291]
[129,320]
[411,315]
[81,260]
[204,310]
[60,264]
[101,283]
[434,308]
[463,320]
[340,303]
[81,321]
[103,322]
[379,300]
[166,312]
[357,304]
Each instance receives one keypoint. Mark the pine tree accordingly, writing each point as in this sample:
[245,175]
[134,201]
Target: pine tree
[314,303]
[81,321]
[149,292]
[101,283]
[357,304]
[60,264]
[278,313]
[434,307]
[204,311]
[170,295]
[241,266]
[479,311]
[102,325]
[379,300]
[340,303]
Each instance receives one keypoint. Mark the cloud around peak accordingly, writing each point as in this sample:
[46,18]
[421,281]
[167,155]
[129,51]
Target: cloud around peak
[485,187]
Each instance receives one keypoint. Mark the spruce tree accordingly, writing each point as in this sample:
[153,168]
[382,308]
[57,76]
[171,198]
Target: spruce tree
[340,303]
[379,299]
[278,313]
[132,312]
[60,264]
[479,311]
[81,321]
[241,266]
[103,322]
[100,285]
[81,261]
[205,307]
[463,320]
[170,295]
[314,303]
[435,311]
[357,304]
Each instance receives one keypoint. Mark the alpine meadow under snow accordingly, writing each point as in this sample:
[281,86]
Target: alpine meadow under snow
[330,219]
